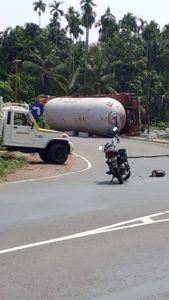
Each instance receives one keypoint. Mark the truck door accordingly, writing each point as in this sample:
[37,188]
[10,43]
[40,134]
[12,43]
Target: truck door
[21,130]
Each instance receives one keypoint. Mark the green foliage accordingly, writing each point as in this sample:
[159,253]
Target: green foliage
[108,26]
[159,125]
[25,87]
[42,123]
[10,162]
[6,90]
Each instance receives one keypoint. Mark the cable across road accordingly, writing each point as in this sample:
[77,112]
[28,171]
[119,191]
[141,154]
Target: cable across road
[149,156]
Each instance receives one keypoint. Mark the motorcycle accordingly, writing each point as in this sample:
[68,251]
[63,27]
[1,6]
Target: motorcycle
[116,159]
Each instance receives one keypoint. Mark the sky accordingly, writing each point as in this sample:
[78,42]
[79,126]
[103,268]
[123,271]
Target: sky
[19,12]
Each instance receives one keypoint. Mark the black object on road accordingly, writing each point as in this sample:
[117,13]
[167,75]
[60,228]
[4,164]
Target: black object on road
[158,173]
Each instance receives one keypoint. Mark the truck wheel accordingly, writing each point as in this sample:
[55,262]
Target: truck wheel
[58,153]
[43,154]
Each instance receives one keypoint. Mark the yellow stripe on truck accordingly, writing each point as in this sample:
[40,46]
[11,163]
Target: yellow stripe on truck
[43,130]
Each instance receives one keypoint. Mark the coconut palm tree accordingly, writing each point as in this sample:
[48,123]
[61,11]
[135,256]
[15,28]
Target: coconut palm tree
[40,7]
[56,13]
[101,79]
[129,23]
[74,23]
[107,25]
[88,17]
[46,73]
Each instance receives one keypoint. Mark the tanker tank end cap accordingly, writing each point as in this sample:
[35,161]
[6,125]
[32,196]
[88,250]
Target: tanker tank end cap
[158,173]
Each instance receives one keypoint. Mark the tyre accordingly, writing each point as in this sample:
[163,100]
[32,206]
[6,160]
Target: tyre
[58,153]
[125,171]
[118,175]
[126,175]
[43,154]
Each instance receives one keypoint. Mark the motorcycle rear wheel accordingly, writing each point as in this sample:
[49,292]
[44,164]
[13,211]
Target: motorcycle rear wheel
[118,175]
[126,176]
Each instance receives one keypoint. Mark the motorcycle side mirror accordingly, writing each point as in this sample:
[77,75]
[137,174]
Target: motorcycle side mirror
[100,148]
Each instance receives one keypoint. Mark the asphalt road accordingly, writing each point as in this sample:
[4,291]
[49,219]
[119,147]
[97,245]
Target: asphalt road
[80,236]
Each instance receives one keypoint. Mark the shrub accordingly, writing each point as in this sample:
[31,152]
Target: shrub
[160,125]
[9,162]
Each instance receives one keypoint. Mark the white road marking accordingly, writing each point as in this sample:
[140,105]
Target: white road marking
[142,221]
[147,220]
[54,176]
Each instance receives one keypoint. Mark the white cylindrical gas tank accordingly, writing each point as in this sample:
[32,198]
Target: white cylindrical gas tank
[96,115]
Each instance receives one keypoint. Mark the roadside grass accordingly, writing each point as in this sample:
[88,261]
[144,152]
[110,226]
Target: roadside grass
[159,125]
[9,162]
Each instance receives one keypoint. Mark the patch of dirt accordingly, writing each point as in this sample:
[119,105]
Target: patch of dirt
[36,168]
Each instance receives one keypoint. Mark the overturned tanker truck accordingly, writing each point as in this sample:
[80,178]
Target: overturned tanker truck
[91,115]
[96,114]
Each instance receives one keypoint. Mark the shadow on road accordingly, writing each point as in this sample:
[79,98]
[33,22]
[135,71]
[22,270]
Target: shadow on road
[106,182]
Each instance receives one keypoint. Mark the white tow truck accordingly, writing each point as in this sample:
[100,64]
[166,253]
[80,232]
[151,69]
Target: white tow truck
[20,132]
